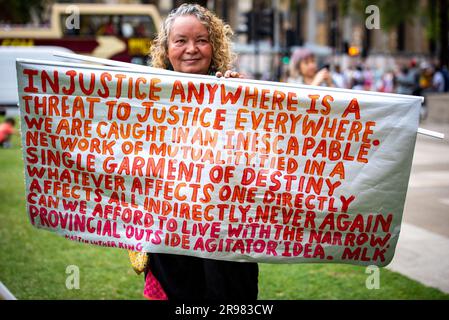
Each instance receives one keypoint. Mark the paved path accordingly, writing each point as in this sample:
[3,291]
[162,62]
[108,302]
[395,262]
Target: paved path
[422,256]
[423,247]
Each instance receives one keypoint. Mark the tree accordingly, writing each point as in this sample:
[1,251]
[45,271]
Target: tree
[395,13]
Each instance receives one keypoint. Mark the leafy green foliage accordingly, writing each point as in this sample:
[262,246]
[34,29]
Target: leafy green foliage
[392,13]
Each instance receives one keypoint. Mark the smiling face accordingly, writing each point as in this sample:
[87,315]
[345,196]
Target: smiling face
[308,67]
[189,48]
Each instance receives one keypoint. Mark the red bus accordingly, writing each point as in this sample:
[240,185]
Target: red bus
[122,32]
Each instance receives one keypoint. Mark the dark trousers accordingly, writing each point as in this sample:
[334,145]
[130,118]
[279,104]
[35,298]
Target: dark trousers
[191,278]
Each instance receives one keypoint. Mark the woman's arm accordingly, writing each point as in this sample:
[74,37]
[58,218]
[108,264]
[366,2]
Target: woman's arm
[323,76]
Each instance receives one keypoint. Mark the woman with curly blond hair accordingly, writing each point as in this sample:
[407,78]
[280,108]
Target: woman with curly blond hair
[194,40]
[219,38]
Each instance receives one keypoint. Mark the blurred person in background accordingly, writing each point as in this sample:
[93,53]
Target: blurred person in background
[368,78]
[414,71]
[386,82]
[415,81]
[304,70]
[358,79]
[405,81]
[107,29]
[425,77]
[438,80]
[6,131]
[445,73]
[339,78]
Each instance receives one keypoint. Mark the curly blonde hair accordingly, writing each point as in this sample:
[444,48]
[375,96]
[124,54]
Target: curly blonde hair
[219,36]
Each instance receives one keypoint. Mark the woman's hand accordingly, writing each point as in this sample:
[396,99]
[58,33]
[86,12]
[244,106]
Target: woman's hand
[229,74]
[323,76]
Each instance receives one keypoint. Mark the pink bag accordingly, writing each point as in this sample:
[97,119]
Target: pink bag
[153,289]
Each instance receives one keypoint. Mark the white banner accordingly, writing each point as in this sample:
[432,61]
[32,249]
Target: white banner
[228,169]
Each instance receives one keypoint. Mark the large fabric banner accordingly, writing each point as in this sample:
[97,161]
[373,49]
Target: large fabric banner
[227,169]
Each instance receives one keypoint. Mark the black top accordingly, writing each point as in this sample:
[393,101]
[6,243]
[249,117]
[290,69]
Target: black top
[198,279]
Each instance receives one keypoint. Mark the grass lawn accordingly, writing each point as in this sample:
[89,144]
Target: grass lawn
[33,262]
